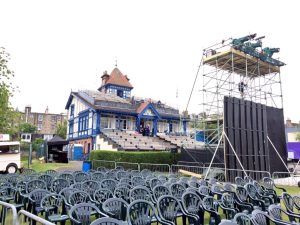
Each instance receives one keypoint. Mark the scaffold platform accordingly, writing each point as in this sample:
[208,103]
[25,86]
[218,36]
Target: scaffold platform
[238,62]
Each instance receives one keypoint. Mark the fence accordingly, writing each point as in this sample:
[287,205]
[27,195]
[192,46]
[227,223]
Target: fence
[104,163]
[127,165]
[286,178]
[161,168]
[216,171]
[24,214]
[4,214]
[254,174]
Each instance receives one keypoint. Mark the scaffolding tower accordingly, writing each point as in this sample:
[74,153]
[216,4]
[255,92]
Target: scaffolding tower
[229,69]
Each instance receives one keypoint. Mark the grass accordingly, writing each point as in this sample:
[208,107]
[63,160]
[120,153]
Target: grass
[42,167]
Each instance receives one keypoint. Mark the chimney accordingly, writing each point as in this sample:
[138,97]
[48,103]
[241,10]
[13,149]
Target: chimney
[288,123]
[104,77]
[47,110]
[27,112]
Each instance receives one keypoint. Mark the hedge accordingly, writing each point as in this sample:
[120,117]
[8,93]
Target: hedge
[135,157]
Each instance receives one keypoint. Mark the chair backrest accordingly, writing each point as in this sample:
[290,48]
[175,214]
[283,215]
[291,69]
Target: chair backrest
[68,176]
[90,186]
[79,197]
[154,182]
[239,181]
[258,187]
[102,169]
[191,202]
[193,183]
[59,184]
[203,182]
[107,221]
[168,208]
[251,189]
[241,194]
[217,189]
[51,172]
[204,191]
[115,208]
[8,193]
[122,192]
[296,200]
[242,219]
[146,172]
[141,212]
[81,176]
[111,175]
[209,204]
[259,217]
[229,187]
[102,194]
[122,174]
[47,178]
[28,171]
[268,183]
[66,192]
[109,184]
[137,181]
[248,179]
[177,190]
[275,212]
[98,176]
[125,180]
[212,181]
[37,195]
[81,213]
[288,201]
[54,202]
[140,193]
[77,185]
[228,200]
[160,190]
[35,184]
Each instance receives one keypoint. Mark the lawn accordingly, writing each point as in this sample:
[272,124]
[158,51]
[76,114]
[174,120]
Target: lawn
[42,167]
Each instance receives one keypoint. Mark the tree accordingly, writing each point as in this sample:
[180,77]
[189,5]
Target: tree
[297,136]
[7,114]
[61,129]
[27,128]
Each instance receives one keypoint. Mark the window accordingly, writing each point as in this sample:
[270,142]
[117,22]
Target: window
[40,118]
[72,111]
[71,127]
[40,126]
[53,118]
[83,123]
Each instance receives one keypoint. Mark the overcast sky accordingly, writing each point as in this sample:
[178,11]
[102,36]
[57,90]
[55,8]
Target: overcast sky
[59,46]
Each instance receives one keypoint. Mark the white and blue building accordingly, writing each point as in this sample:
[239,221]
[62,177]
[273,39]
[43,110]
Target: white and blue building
[113,107]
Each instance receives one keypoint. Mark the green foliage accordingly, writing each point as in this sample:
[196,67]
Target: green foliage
[36,143]
[61,129]
[27,128]
[298,136]
[135,157]
[7,115]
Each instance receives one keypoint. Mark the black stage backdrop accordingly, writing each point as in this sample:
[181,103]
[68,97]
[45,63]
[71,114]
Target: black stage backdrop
[247,125]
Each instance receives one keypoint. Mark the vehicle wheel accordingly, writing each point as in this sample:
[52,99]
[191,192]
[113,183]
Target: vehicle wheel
[11,168]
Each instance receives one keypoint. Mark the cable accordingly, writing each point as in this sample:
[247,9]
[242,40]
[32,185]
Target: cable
[194,84]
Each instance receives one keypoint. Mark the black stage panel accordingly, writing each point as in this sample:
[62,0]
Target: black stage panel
[247,125]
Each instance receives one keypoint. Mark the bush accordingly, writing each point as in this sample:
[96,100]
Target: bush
[135,157]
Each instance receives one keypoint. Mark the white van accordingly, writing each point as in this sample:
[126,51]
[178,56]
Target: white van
[10,156]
